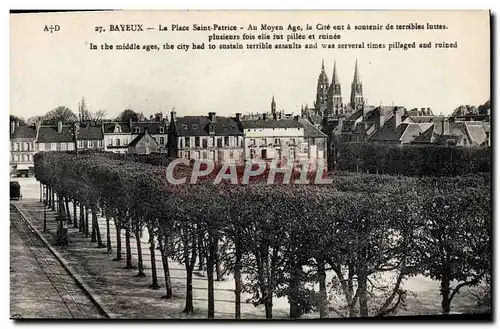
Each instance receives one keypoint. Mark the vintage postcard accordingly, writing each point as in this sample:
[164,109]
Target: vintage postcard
[250,165]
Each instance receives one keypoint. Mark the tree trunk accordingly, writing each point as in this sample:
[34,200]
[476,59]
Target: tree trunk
[293,295]
[353,312]
[75,217]
[82,218]
[189,264]
[140,263]
[201,258]
[53,206]
[108,234]
[93,236]
[322,289]
[445,293]
[68,213]
[363,295]
[95,228]
[237,278]
[128,249]
[189,309]
[166,270]
[154,283]
[218,269]
[118,239]
[41,193]
[86,221]
[211,254]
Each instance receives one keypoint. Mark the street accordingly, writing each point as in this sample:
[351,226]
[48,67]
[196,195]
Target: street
[39,286]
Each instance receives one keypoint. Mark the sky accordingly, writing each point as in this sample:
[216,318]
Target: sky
[53,69]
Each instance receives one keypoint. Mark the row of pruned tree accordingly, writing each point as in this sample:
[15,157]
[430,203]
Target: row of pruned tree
[288,240]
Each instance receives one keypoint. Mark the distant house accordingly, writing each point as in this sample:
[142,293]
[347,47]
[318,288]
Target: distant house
[158,130]
[116,135]
[90,136]
[56,137]
[461,133]
[206,137]
[22,147]
[144,143]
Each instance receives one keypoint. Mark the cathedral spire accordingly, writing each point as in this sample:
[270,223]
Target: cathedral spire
[321,91]
[322,65]
[335,79]
[273,106]
[356,73]
[357,99]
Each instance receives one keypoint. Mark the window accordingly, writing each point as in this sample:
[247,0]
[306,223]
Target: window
[219,142]
[252,153]
[137,130]
[241,141]
[181,142]
[263,154]
[211,129]
[54,146]
[162,140]
[252,141]
[90,144]
[226,140]
[28,157]
[277,141]
[80,143]
[188,141]
[64,146]
[162,130]
[16,146]
[99,143]
[47,146]
[117,142]
[17,157]
[71,146]
[292,141]
[197,142]
[125,141]
[231,154]
[205,143]
[118,129]
[263,141]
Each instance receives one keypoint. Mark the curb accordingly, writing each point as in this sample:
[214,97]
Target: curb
[79,281]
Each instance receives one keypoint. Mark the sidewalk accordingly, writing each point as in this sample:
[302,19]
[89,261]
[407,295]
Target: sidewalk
[127,296]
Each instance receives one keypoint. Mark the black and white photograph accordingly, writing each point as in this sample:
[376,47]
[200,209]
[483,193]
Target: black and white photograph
[251,165]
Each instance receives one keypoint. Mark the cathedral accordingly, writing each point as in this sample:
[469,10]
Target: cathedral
[329,96]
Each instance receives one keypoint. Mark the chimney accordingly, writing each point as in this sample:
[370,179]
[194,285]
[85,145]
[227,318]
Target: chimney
[59,126]
[264,116]
[146,130]
[173,116]
[275,116]
[17,124]
[381,118]
[397,116]
[238,116]
[211,116]
[296,118]
[445,127]
[12,127]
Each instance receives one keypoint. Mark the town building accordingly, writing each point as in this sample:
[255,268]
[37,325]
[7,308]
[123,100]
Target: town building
[60,137]
[144,143]
[117,136]
[211,137]
[22,147]
[90,136]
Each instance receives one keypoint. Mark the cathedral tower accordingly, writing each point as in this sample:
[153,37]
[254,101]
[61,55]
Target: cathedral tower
[321,103]
[334,93]
[357,101]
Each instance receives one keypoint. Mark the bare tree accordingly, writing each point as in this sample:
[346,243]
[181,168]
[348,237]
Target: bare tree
[85,115]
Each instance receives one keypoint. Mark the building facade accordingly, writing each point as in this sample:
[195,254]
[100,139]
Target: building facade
[144,143]
[219,139]
[22,147]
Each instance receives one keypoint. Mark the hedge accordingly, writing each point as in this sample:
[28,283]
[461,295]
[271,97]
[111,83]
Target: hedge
[414,160]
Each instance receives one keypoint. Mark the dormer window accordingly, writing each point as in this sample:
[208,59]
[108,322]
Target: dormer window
[184,126]
[211,129]
[118,129]
[137,130]
[195,126]
[162,130]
